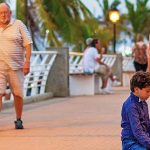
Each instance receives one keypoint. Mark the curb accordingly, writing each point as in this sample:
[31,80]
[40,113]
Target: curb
[28,100]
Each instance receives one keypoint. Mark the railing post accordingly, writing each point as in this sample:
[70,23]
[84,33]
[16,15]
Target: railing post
[117,67]
[58,78]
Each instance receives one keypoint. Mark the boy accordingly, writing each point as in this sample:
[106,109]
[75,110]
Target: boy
[135,121]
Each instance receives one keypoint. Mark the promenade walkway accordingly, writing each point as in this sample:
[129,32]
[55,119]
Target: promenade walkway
[72,123]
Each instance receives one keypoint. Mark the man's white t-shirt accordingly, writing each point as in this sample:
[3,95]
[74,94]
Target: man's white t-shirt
[89,59]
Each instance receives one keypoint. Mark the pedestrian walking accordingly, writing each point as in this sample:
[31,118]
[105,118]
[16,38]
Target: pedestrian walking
[139,53]
[15,52]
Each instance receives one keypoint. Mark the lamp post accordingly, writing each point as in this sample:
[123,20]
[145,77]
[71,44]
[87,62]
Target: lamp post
[114,17]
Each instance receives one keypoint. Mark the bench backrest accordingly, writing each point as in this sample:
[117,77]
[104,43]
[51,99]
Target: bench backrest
[41,63]
[76,59]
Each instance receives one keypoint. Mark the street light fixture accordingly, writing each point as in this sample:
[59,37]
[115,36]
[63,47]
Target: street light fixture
[114,17]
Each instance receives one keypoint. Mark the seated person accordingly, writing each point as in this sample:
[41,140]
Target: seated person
[92,63]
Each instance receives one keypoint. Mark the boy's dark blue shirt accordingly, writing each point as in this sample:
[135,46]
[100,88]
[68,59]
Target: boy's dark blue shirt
[135,120]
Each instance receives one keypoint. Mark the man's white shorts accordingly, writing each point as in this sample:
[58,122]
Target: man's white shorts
[14,78]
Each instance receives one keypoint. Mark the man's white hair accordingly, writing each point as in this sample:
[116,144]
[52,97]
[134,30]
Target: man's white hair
[89,41]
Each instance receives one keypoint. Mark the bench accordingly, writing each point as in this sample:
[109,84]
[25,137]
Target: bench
[128,70]
[81,83]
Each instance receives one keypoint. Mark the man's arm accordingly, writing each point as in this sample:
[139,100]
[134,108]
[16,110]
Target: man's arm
[99,60]
[26,67]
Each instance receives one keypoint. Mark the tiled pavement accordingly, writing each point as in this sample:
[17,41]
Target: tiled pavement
[72,123]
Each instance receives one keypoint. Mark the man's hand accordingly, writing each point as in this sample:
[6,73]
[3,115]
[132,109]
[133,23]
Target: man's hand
[26,68]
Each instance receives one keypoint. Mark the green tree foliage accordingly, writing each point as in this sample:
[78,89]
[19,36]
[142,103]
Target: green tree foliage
[139,16]
[2,1]
[107,34]
[21,10]
[68,22]
[106,7]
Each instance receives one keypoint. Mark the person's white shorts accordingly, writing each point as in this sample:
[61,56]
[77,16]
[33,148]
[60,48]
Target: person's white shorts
[14,78]
[103,70]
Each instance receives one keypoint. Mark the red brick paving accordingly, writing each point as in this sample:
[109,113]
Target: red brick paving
[73,123]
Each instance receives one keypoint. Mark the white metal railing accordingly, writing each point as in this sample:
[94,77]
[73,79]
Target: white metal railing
[41,63]
[35,81]
[75,62]
[127,64]
[128,70]
[76,59]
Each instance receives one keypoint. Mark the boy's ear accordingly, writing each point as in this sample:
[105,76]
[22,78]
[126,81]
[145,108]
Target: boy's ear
[136,89]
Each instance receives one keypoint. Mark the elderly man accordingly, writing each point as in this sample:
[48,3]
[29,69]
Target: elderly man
[15,52]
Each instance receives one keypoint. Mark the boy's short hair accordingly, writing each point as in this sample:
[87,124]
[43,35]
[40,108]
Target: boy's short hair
[140,79]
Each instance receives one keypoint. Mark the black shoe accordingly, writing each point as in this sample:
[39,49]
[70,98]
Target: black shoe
[18,124]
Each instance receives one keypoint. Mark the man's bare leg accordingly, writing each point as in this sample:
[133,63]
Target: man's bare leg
[104,82]
[18,102]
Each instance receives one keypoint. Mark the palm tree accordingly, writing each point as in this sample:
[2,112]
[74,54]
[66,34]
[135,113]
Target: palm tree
[106,7]
[139,17]
[21,10]
[2,1]
[68,22]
